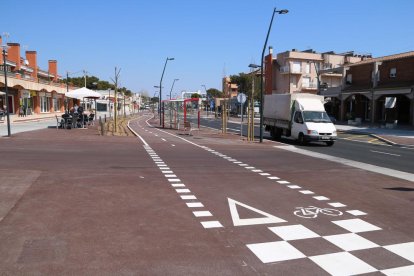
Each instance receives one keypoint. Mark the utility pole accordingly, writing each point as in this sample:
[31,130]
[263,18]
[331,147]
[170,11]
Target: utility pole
[115,81]
[84,75]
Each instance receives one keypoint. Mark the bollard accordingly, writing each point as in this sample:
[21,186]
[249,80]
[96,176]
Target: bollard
[101,124]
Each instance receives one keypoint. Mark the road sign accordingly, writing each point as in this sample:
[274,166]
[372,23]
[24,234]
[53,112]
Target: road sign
[241,98]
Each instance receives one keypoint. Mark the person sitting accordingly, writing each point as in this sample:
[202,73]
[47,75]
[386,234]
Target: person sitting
[80,110]
[21,114]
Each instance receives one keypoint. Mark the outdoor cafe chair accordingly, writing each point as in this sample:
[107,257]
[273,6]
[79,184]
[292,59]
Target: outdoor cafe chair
[60,123]
[91,119]
[75,120]
[68,121]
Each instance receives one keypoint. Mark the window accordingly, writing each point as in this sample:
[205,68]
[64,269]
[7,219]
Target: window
[307,68]
[305,82]
[296,68]
[293,81]
[44,103]
[349,78]
[298,118]
[393,72]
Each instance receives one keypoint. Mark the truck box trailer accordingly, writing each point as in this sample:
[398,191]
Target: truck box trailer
[301,116]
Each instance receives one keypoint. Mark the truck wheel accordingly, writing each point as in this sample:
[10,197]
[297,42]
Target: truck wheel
[276,133]
[301,139]
[330,143]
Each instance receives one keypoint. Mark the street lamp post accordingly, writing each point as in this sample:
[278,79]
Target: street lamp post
[172,86]
[162,76]
[207,103]
[7,90]
[261,72]
[109,102]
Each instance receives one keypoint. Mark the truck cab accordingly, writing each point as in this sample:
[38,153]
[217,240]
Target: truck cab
[308,126]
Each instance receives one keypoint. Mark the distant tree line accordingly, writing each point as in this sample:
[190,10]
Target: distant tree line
[244,82]
[95,83]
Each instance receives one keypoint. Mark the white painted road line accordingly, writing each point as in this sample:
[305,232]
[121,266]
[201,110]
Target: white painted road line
[202,214]
[178,185]
[355,164]
[183,191]
[385,153]
[195,204]
[337,204]
[321,198]
[188,197]
[211,224]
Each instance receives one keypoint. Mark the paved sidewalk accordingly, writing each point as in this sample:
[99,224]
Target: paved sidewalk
[396,136]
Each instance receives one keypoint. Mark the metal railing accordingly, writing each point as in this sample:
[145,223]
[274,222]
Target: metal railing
[312,85]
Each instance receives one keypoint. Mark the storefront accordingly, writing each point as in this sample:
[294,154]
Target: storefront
[57,102]
[12,96]
[45,102]
[26,101]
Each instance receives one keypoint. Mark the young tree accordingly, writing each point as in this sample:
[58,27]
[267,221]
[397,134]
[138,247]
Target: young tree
[244,82]
[214,93]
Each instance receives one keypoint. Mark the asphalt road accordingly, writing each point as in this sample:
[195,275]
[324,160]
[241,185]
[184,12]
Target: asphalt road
[378,154]
[73,202]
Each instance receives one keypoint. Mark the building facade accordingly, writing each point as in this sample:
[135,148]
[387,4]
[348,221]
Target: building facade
[357,88]
[304,71]
[378,90]
[230,90]
[30,89]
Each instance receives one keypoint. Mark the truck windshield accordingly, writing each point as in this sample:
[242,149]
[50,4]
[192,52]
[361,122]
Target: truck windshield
[316,116]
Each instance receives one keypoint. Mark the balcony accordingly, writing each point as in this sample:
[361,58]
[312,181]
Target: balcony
[310,86]
[293,70]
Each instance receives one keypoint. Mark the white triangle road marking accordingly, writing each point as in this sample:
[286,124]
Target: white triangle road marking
[237,221]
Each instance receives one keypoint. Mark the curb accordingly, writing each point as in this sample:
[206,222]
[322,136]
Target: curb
[377,137]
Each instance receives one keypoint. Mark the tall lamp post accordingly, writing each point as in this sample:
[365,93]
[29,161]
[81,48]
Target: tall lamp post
[207,103]
[261,73]
[172,86]
[162,76]
[4,47]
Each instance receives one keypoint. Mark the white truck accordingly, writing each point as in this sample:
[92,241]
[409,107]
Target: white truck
[301,116]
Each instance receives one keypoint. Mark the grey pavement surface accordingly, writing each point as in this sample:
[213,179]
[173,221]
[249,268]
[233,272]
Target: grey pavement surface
[36,121]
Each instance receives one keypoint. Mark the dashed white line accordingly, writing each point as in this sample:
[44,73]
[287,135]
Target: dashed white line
[294,186]
[337,204]
[306,192]
[195,204]
[211,224]
[182,191]
[202,214]
[188,197]
[178,185]
[321,198]
[385,153]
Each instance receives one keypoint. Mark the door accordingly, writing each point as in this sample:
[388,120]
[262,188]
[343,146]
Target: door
[11,105]
[298,125]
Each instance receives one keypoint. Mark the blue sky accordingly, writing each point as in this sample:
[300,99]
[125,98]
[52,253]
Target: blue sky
[207,38]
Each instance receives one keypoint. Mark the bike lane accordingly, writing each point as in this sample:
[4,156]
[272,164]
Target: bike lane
[254,196]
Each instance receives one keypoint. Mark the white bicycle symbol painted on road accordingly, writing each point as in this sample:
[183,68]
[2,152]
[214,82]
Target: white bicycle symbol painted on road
[312,212]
